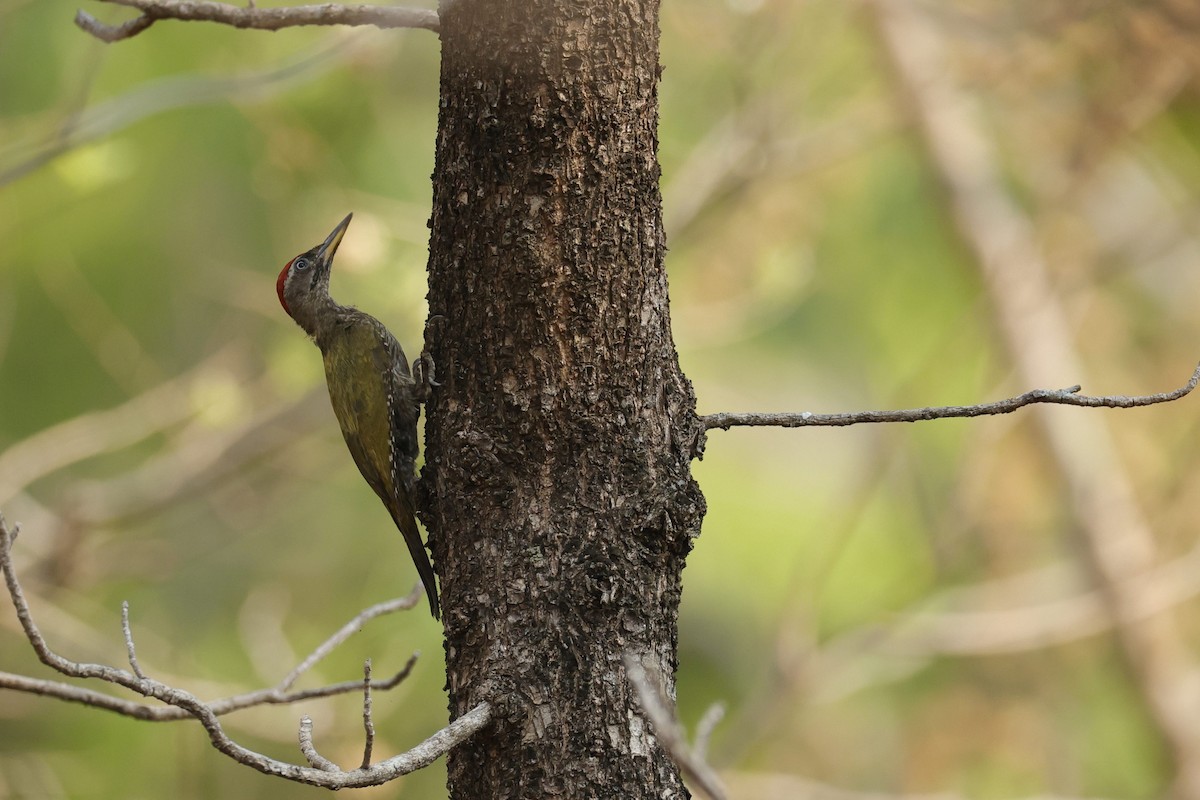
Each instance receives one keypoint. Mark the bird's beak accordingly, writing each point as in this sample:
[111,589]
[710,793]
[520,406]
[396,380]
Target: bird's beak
[330,245]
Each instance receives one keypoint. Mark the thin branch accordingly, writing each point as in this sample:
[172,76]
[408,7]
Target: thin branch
[310,750]
[265,19]
[418,757]
[276,695]
[88,697]
[1067,397]
[112,33]
[670,733]
[129,646]
[368,721]
[349,629]
[225,705]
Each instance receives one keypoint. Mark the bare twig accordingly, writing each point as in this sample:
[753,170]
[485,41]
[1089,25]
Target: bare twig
[129,647]
[670,733]
[88,697]
[265,19]
[329,776]
[220,707]
[368,721]
[349,629]
[1067,397]
[112,33]
[309,750]
[276,695]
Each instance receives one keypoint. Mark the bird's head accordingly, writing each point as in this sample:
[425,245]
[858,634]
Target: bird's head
[303,285]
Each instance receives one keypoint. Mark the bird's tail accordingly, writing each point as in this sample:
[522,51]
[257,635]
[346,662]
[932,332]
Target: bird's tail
[406,521]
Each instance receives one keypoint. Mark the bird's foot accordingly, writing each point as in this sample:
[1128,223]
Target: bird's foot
[423,372]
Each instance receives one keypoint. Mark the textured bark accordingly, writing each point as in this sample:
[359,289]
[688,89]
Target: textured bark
[557,487]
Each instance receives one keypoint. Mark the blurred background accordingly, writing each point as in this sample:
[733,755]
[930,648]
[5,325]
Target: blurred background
[868,206]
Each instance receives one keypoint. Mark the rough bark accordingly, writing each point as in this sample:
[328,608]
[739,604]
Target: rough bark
[557,487]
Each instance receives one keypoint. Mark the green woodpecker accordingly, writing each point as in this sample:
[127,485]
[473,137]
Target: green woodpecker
[374,395]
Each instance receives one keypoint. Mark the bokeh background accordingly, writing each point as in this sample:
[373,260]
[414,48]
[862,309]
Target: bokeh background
[869,206]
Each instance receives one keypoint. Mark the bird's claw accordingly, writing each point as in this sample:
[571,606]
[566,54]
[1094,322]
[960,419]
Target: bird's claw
[423,372]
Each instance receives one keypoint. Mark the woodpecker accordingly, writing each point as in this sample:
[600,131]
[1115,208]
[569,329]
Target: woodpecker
[374,395]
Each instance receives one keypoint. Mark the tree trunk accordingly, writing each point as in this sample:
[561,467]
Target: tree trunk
[557,486]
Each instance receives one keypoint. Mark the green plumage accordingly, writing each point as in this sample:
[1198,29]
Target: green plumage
[373,394]
[363,368]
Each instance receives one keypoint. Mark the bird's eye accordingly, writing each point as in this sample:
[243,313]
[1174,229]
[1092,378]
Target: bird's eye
[301,264]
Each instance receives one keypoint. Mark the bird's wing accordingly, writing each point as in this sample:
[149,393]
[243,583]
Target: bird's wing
[360,404]
[405,409]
